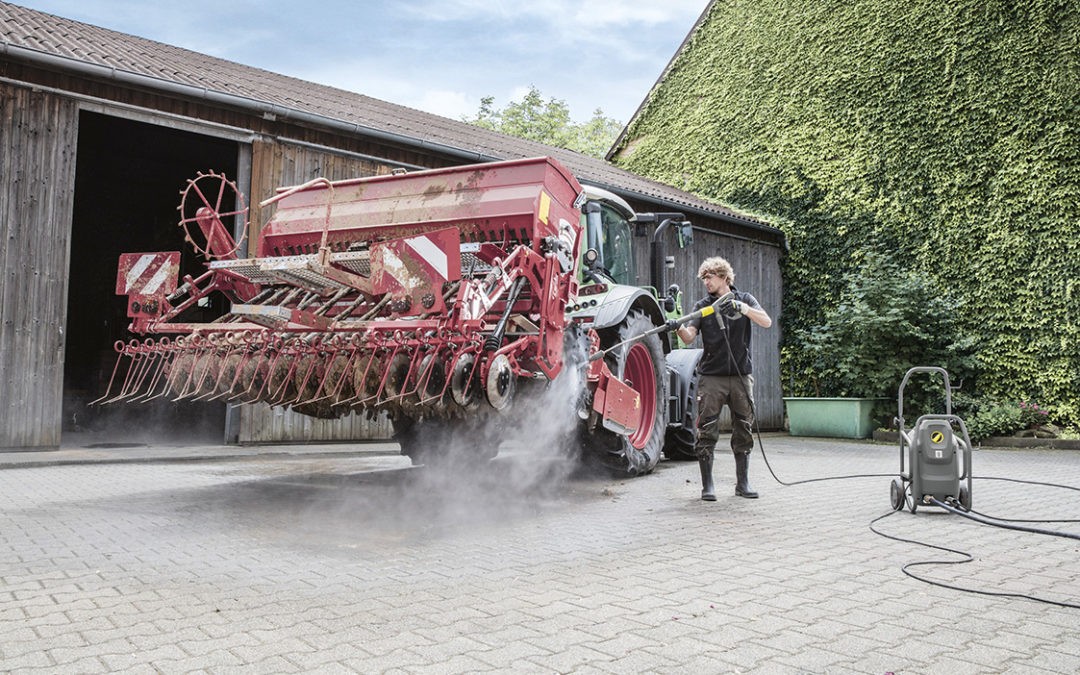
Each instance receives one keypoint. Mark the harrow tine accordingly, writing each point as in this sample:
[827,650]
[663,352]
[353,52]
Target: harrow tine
[271,363]
[119,347]
[278,396]
[244,358]
[332,353]
[154,362]
[208,357]
[336,389]
[168,356]
[137,357]
[355,399]
[152,354]
[382,382]
[162,349]
[414,361]
[185,390]
[307,378]
[446,382]
[422,380]
[223,361]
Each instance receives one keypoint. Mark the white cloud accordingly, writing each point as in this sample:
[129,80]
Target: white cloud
[441,56]
[574,14]
[452,104]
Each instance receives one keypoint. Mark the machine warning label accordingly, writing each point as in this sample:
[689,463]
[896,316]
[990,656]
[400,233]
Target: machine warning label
[147,273]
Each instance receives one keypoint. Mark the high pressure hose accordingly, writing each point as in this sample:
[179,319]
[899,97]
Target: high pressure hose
[979,518]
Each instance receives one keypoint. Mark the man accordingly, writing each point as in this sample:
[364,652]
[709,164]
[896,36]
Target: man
[726,371]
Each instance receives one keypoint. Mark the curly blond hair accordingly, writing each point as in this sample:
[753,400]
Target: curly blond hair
[718,266]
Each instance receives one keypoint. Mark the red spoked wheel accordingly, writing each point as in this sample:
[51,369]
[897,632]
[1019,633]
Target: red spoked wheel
[208,200]
[642,366]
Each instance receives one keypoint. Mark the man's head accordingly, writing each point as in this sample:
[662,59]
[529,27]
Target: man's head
[717,275]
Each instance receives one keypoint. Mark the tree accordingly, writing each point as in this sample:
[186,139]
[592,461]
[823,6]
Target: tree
[548,122]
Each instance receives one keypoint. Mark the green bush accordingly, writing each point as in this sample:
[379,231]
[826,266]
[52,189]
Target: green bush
[995,419]
[888,319]
[988,417]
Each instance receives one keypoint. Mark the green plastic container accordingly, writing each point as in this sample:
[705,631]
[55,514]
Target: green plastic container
[831,417]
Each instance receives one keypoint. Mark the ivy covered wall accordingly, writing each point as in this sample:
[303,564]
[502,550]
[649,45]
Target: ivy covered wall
[943,133]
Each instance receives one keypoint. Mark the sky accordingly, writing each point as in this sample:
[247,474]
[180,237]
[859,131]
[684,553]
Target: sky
[441,56]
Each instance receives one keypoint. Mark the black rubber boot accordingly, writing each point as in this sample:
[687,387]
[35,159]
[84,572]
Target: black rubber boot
[708,490]
[742,484]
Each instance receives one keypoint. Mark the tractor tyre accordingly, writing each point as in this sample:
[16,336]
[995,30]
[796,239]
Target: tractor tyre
[680,440]
[679,445]
[640,364]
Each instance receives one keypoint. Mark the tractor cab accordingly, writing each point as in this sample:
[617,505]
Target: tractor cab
[606,220]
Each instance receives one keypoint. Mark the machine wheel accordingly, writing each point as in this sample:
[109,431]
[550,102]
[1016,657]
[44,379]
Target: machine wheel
[210,193]
[896,494]
[640,364]
[965,498]
[679,444]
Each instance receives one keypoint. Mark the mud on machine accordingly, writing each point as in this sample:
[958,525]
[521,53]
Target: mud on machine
[935,461]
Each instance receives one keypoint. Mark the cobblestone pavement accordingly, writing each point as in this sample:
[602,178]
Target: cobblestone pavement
[354,562]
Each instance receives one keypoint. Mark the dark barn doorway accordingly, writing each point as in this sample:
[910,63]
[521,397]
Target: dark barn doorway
[128,180]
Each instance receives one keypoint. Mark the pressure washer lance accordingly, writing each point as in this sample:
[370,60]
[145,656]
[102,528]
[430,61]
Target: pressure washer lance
[682,320]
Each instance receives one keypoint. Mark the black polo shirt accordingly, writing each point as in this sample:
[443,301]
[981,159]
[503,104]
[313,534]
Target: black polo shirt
[726,341]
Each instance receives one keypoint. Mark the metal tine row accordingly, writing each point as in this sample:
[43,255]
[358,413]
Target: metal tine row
[286,371]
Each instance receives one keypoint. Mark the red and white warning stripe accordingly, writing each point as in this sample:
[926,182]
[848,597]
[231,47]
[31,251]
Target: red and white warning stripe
[147,273]
[430,252]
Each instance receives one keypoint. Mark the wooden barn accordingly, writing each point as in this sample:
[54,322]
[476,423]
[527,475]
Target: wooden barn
[99,132]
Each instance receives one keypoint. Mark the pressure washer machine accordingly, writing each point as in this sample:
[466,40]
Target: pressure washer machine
[935,461]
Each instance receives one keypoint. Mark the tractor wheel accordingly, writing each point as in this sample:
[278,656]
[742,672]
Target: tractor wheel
[679,444]
[640,364]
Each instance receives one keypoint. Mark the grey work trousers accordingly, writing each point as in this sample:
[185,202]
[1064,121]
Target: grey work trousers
[714,392]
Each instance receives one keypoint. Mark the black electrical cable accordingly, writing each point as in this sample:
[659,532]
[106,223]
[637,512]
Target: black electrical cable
[1029,482]
[1026,520]
[761,445]
[1003,525]
[967,558]
[906,568]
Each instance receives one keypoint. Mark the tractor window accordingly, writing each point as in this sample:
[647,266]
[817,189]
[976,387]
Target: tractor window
[616,245]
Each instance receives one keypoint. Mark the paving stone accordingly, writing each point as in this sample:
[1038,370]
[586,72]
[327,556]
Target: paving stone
[296,563]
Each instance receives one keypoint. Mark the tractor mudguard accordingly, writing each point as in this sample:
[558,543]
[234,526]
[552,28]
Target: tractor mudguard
[618,303]
[681,433]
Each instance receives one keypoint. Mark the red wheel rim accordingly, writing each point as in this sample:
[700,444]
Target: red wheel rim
[639,374]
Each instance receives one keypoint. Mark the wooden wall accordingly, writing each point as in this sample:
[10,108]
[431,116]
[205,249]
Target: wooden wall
[38,133]
[757,271]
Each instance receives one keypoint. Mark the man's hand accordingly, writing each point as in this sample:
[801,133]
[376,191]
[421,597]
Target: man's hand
[733,309]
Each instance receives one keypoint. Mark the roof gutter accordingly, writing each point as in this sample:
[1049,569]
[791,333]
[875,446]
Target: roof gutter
[260,108]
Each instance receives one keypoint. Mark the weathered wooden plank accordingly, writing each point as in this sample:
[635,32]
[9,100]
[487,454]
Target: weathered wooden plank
[38,132]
